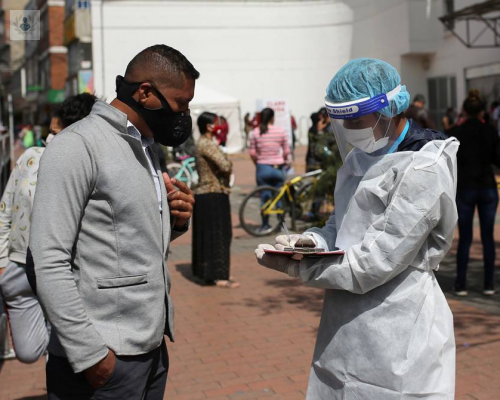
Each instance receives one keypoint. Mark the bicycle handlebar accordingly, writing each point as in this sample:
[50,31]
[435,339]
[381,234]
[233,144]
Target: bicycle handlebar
[312,173]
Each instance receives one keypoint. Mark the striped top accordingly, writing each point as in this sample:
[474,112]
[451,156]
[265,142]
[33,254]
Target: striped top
[270,148]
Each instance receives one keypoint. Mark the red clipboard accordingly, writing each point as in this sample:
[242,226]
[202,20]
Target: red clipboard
[319,254]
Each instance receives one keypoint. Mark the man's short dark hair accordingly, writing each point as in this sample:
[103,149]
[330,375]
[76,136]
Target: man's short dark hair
[162,65]
[75,108]
[419,98]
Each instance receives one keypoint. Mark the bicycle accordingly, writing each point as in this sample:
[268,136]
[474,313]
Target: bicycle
[263,210]
[186,171]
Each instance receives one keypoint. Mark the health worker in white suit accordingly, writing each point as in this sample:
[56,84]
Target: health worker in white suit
[386,330]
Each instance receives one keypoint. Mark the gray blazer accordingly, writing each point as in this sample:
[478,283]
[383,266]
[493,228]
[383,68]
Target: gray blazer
[98,243]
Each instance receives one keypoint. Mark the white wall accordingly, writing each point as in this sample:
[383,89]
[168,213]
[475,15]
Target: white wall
[283,49]
[401,32]
[411,38]
[248,50]
[380,29]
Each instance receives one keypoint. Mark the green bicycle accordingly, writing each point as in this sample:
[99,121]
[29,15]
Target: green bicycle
[263,210]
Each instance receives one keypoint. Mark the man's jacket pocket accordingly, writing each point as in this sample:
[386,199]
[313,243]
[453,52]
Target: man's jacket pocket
[121,281]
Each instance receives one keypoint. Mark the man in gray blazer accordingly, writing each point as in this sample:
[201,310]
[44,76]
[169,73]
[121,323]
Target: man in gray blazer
[102,222]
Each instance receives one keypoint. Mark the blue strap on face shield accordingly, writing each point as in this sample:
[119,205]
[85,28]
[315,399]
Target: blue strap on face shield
[400,138]
[360,107]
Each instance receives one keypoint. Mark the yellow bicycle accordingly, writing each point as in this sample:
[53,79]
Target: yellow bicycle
[263,210]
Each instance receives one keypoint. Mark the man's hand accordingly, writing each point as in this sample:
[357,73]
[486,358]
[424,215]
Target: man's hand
[180,201]
[98,374]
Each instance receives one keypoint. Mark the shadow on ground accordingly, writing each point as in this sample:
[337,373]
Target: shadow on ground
[291,292]
[187,272]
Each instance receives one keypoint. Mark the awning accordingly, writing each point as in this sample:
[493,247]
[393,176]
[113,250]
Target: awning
[487,14]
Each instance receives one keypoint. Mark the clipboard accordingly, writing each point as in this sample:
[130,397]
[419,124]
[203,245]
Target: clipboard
[308,254]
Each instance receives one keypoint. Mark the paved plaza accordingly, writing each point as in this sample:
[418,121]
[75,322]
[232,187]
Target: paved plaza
[257,341]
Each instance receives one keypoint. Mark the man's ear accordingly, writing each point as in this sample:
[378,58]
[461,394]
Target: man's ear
[143,93]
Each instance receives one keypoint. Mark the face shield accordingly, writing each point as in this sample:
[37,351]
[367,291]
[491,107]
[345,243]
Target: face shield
[365,125]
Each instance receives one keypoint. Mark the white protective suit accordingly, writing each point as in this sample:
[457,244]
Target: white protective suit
[386,331]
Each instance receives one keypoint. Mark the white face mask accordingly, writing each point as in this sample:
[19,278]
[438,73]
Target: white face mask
[364,140]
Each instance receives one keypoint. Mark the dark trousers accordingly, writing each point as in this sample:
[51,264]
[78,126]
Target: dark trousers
[486,201]
[270,176]
[134,377]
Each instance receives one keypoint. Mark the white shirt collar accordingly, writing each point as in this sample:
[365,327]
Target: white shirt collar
[134,132]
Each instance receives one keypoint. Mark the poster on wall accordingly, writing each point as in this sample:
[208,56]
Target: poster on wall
[86,82]
[282,116]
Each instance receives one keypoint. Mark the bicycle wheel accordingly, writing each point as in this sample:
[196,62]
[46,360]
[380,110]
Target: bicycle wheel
[176,170]
[254,220]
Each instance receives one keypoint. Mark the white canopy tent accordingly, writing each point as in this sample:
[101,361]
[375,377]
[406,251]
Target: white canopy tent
[208,99]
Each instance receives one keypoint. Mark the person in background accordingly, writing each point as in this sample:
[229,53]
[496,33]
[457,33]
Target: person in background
[37,135]
[212,230]
[462,117]
[247,121]
[419,114]
[316,131]
[495,116]
[27,136]
[29,330]
[270,152]
[221,130]
[293,124]
[477,187]
[449,119]
[312,138]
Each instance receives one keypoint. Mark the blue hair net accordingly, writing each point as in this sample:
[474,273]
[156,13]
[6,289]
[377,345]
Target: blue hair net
[368,77]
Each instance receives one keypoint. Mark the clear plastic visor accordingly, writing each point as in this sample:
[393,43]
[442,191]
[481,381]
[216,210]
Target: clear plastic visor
[372,134]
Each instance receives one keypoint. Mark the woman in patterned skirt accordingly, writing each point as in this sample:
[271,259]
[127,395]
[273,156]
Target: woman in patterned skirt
[212,231]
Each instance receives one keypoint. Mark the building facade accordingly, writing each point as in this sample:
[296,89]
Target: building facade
[250,50]
[78,40]
[39,73]
[11,54]
[431,60]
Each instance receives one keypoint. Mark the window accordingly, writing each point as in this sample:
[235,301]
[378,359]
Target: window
[44,24]
[442,95]
[79,57]
[83,4]
[45,74]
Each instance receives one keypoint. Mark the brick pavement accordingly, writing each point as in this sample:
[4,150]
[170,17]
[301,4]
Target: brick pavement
[257,341]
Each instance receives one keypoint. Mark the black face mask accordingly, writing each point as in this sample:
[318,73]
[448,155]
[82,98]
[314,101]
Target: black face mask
[169,128]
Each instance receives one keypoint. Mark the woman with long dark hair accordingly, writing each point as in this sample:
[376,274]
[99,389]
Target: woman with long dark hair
[477,187]
[270,151]
[212,231]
